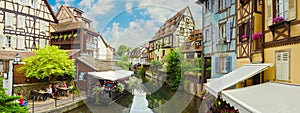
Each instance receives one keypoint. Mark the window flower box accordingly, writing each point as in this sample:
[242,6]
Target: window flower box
[244,37]
[257,36]
[278,19]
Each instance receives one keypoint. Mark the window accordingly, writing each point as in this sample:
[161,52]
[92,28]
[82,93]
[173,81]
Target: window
[8,41]
[197,44]
[244,2]
[282,66]
[81,76]
[222,4]
[188,45]
[207,5]
[282,8]
[189,55]
[223,64]
[207,37]
[163,53]
[244,29]
[222,31]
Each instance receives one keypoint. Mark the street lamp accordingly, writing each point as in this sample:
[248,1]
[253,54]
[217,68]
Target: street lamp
[16,62]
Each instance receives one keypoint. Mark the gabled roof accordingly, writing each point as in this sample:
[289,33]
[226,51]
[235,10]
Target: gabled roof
[67,10]
[97,64]
[173,21]
[51,10]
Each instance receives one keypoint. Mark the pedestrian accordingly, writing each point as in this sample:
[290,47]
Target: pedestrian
[48,92]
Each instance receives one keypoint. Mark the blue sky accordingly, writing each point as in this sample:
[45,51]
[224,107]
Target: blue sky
[130,22]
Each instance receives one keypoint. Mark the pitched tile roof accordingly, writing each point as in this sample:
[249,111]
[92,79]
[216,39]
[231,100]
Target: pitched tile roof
[10,54]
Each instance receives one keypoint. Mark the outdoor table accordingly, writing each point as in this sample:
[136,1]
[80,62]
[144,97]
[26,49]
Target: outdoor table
[63,90]
[40,94]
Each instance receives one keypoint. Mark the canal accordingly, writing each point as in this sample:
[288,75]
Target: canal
[158,102]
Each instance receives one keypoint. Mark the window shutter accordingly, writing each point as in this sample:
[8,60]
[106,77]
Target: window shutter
[228,2]
[269,12]
[210,5]
[228,64]
[292,9]
[216,34]
[210,33]
[42,26]
[204,36]
[13,42]
[21,42]
[2,40]
[216,64]
[278,66]
[42,43]
[216,6]
[21,21]
[8,19]
[285,66]
[228,31]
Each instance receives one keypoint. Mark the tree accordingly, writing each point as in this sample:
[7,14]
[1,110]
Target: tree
[7,104]
[123,63]
[48,62]
[155,65]
[122,49]
[174,68]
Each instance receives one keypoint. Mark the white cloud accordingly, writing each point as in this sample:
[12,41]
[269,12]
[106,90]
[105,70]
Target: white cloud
[138,32]
[102,7]
[86,4]
[128,7]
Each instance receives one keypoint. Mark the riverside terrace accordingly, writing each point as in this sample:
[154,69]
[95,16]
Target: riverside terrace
[62,104]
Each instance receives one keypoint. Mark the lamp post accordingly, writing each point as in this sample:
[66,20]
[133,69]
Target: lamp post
[16,62]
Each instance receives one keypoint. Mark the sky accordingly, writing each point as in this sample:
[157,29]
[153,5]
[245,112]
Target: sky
[129,22]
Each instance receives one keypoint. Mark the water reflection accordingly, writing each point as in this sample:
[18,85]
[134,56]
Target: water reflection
[157,102]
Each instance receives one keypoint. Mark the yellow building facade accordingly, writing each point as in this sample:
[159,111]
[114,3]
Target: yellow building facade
[282,40]
[249,50]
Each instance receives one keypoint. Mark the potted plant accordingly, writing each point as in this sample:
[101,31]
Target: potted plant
[244,37]
[278,19]
[257,36]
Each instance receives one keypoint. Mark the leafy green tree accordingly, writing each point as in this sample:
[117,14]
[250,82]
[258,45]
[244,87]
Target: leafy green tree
[48,62]
[155,65]
[122,49]
[174,68]
[123,63]
[7,104]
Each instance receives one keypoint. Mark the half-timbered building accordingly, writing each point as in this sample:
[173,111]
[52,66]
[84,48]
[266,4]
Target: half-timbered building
[281,40]
[249,36]
[171,34]
[192,47]
[74,31]
[24,24]
[219,37]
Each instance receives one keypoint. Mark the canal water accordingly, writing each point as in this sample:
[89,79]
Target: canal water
[158,102]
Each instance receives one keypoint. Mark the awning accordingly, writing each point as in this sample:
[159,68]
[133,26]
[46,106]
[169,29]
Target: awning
[269,97]
[246,71]
[111,75]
